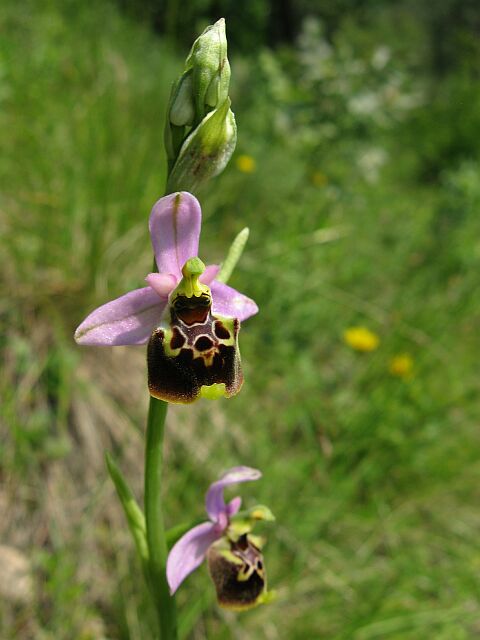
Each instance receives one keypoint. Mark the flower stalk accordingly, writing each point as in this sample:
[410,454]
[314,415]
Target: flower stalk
[155,528]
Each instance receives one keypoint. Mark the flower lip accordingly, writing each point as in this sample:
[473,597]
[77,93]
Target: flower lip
[238,573]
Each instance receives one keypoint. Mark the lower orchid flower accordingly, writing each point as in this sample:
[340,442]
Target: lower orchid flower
[190,319]
[233,554]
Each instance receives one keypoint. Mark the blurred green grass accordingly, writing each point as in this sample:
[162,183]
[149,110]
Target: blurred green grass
[373,479]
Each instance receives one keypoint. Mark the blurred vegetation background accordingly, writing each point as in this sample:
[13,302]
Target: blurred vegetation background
[357,173]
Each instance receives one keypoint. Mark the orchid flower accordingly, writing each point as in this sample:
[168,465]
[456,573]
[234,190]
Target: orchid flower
[234,557]
[190,320]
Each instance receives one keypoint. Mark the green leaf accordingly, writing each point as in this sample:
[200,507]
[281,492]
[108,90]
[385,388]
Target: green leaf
[133,513]
[234,255]
[193,611]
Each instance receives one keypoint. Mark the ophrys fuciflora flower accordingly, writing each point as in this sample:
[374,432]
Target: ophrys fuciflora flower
[190,319]
[226,541]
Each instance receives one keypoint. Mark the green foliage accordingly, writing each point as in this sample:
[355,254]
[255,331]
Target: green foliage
[357,217]
[444,131]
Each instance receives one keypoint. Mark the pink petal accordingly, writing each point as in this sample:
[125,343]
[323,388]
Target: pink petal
[210,273]
[189,552]
[230,302]
[175,229]
[162,283]
[214,500]
[129,319]
[234,505]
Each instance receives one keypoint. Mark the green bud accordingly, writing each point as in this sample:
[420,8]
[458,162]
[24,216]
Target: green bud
[210,69]
[205,152]
[201,91]
[182,109]
[133,513]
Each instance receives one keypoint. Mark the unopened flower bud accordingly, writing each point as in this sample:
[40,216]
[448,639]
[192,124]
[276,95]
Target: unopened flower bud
[210,69]
[206,151]
[200,92]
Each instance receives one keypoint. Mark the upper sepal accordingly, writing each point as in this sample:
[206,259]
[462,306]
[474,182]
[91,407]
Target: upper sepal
[215,501]
[174,225]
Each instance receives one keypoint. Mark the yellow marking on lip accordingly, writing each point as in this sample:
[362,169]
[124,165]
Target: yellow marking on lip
[206,356]
[213,391]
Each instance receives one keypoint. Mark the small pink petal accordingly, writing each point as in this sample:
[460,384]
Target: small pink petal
[234,505]
[210,273]
[175,230]
[189,552]
[129,319]
[162,283]
[214,500]
[230,302]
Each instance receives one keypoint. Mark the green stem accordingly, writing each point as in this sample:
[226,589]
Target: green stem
[156,541]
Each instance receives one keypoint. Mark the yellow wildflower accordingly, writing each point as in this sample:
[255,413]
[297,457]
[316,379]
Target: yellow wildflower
[246,164]
[401,365]
[319,179]
[361,339]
